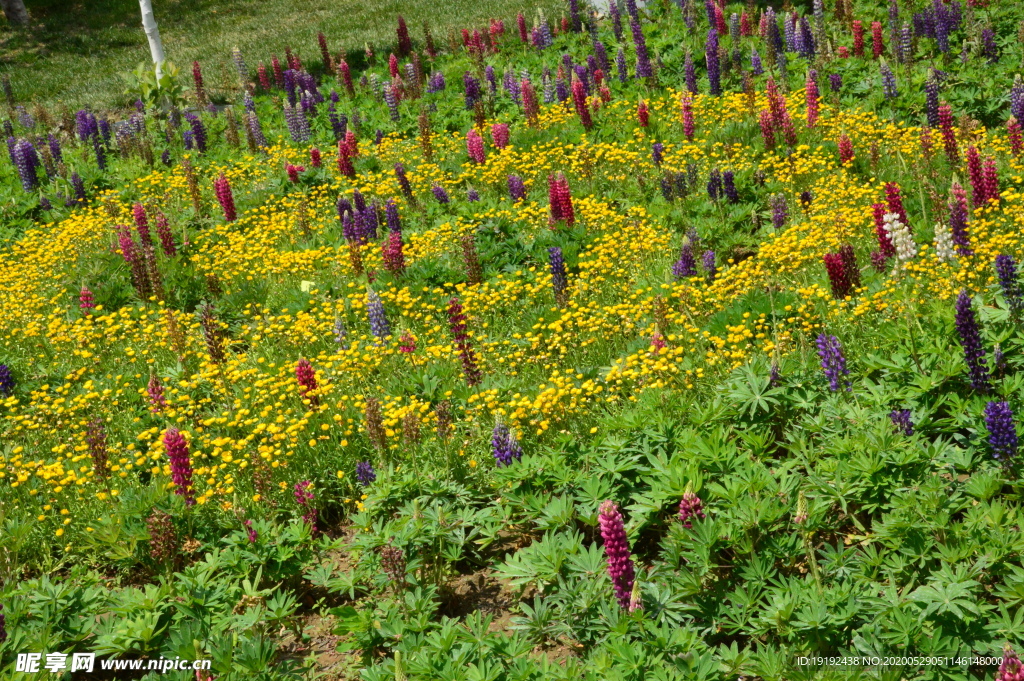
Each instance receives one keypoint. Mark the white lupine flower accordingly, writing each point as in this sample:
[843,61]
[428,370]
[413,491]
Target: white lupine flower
[944,243]
[900,236]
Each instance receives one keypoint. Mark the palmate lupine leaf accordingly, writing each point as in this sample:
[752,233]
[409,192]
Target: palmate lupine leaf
[955,598]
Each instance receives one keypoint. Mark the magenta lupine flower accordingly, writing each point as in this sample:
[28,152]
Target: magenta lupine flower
[767,129]
[163,231]
[155,394]
[406,343]
[958,215]
[990,180]
[142,224]
[616,550]
[306,378]
[690,507]
[833,363]
[176,448]
[86,302]
[948,133]
[304,497]
[969,330]
[1010,669]
[687,111]
[253,535]
[812,102]
[463,341]
[499,133]
[475,146]
[1002,432]
[222,188]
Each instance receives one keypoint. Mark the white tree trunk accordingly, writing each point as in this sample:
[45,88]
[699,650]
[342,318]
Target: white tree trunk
[15,12]
[156,48]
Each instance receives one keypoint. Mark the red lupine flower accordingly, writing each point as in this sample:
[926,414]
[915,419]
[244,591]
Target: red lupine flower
[687,110]
[990,180]
[345,166]
[278,71]
[885,245]
[616,550]
[306,377]
[393,256]
[877,47]
[642,114]
[315,159]
[345,73]
[812,102]
[463,341]
[393,65]
[948,134]
[293,171]
[926,142]
[406,343]
[895,201]
[521,23]
[352,144]
[155,393]
[142,224]
[845,149]
[261,75]
[579,99]
[85,300]
[176,448]
[844,51]
[974,174]
[765,120]
[197,78]
[222,188]
[858,39]
[475,146]
[531,108]
[1013,132]
[745,28]
[499,134]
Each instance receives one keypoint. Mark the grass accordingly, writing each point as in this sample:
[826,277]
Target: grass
[77,53]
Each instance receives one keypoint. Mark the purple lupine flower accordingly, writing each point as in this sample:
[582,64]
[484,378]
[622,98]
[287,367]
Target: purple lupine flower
[601,56]
[988,45]
[931,100]
[835,80]
[970,339]
[472,87]
[943,26]
[686,265]
[806,40]
[365,473]
[657,153]
[690,73]
[643,60]
[6,380]
[559,279]
[440,194]
[505,446]
[833,363]
[715,184]
[755,62]
[549,86]
[198,131]
[85,125]
[888,81]
[901,420]
[1002,433]
[708,260]
[561,89]
[1006,271]
[616,550]
[27,161]
[779,211]
[255,128]
[472,195]
[391,216]
[176,448]
[729,185]
[905,44]
[392,102]
[379,325]
[436,82]
[55,150]
[632,11]
[1017,98]
[774,375]
[78,185]
[187,138]
[714,68]
[403,181]
[616,16]
[516,188]
[734,27]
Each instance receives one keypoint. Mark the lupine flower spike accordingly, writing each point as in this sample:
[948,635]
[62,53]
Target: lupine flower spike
[616,550]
